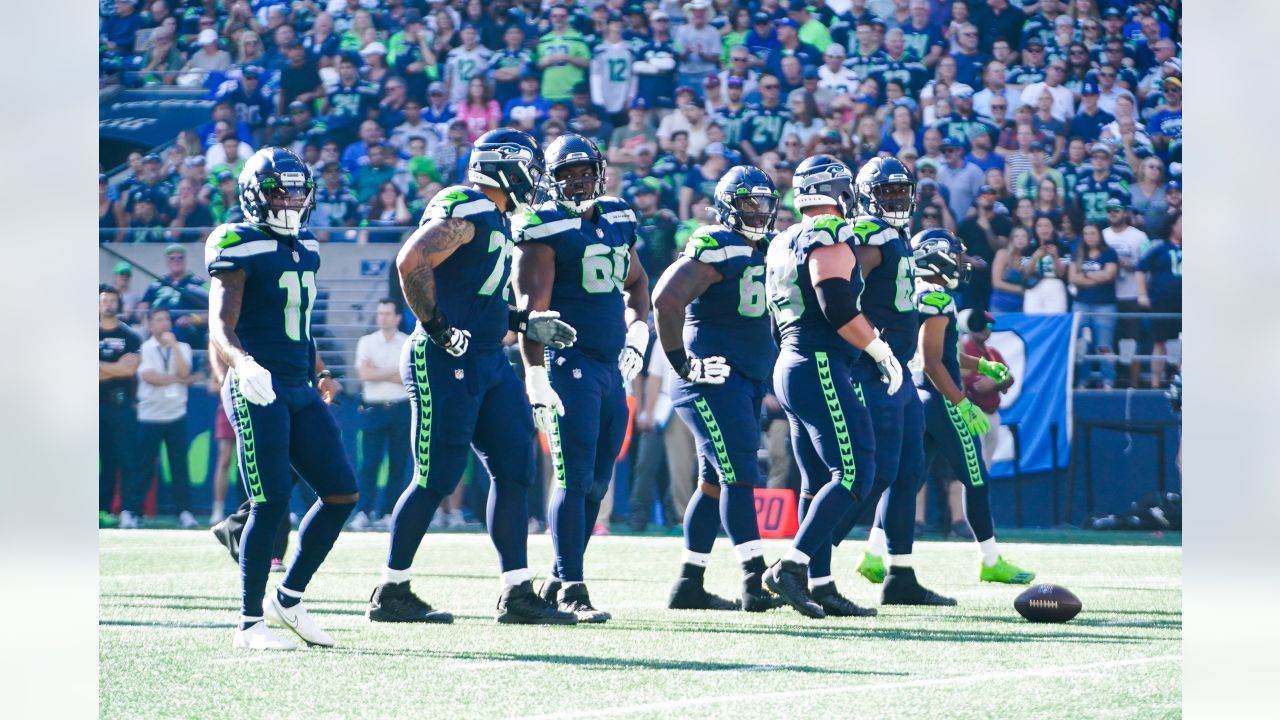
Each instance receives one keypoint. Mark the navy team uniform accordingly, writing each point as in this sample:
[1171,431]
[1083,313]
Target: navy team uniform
[887,300]
[947,438]
[729,320]
[296,429]
[831,432]
[591,264]
[473,401]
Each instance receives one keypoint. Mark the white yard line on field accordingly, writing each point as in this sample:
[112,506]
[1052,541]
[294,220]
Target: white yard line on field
[808,693]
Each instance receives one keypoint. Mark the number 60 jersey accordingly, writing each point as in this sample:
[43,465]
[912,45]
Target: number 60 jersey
[592,261]
[279,293]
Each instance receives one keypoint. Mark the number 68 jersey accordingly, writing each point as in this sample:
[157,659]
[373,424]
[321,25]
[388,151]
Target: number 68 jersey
[279,294]
[593,257]
[730,318]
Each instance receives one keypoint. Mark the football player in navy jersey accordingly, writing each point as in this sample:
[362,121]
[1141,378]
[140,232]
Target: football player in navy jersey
[463,393]
[262,291]
[711,315]
[577,257]
[886,200]
[814,287]
[954,426]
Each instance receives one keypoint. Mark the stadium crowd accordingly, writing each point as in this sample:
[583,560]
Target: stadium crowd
[1046,135]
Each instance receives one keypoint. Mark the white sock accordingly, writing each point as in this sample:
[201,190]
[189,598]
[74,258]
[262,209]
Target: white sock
[390,575]
[900,560]
[794,555]
[815,582]
[695,558]
[877,543]
[511,578]
[287,592]
[990,554]
[749,549]
[250,620]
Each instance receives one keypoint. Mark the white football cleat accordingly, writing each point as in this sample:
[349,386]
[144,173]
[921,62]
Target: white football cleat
[129,521]
[359,522]
[186,520]
[297,619]
[260,637]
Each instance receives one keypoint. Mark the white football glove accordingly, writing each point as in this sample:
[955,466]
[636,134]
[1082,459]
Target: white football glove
[890,370]
[254,382]
[631,361]
[453,341]
[542,397]
[546,327]
[707,371]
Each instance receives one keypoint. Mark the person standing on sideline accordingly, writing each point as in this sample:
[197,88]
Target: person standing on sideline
[117,420]
[385,413]
[164,373]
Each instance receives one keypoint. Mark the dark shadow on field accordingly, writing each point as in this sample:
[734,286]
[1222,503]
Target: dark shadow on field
[185,602]
[606,663]
[864,629]
[1159,619]
[176,626]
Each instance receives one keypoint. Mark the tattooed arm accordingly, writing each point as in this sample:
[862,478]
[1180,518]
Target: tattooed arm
[430,245]
[226,293]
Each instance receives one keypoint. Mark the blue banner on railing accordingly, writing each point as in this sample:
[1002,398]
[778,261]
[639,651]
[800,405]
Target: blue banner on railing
[1038,351]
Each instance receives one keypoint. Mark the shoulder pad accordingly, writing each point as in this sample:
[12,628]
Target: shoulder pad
[457,201]
[935,302]
[870,230]
[231,244]
[615,210]
[713,244]
[543,222]
[837,228]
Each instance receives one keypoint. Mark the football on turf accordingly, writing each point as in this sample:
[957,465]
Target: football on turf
[1047,604]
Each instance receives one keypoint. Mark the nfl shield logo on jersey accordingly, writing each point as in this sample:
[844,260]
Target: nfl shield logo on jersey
[459,373]
[296,256]
[577,373]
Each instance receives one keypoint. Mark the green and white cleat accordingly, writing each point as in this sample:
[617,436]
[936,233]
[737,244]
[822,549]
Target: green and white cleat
[1005,572]
[871,567]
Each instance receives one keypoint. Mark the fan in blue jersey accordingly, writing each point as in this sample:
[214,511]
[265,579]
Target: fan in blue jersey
[710,313]
[577,257]
[886,197]
[262,291]
[814,288]
[954,426]
[464,395]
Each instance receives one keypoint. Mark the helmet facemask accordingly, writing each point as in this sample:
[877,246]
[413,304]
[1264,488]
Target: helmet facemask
[285,202]
[754,215]
[892,202]
[937,262]
[577,185]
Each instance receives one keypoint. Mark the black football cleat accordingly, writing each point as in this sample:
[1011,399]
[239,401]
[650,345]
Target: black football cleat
[395,602]
[550,590]
[837,605]
[520,605]
[790,581]
[575,600]
[689,594]
[228,537]
[760,601]
[902,588]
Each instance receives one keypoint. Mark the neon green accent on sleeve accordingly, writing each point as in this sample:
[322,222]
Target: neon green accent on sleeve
[453,198]
[702,241]
[229,238]
[830,223]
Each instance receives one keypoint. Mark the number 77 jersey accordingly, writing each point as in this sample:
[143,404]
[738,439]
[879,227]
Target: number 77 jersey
[593,258]
[279,293]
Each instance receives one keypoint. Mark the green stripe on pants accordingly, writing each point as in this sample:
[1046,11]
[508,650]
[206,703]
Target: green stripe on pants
[557,448]
[248,445]
[422,460]
[973,463]
[717,439]
[848,470]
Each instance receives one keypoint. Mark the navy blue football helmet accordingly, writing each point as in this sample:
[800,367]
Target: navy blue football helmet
[887,190]
[509,160]
[936,253]
[824,180]
[576,193]
[746,202]
[277,190]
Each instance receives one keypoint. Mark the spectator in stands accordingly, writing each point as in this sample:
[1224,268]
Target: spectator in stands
[1094,266]
[299,79]
[983,232]
[1018,162]
[969,60]
[320,42]
[1047,294]
[655,236]
[122,280]
[961,178]
[1160,290]
[628,138]
[1048,199]
[356,155]
[655,65]
[381,167]
[805,124]
[1130,244]
[208,59]
[1090,120]
[1165,125]
[980,389]
[468,60]
[994,88]
[184,295]
[438,111]
[387,209]
[163,59]
[450,155]
[1147,197]
[698,44]
[111,216]
[1004,23]
[789,45]
[164,372]
[1063,101]
[479,110]
[650,480]
[385,416]
[922,36]
[224,204]
[509,65]
[190,210]
[118,360]
[563,56]
[229,152]
[145,221]
[336,205]
[351,102]
[1008,282]
[690,118]
[1109,91]
[1049,130]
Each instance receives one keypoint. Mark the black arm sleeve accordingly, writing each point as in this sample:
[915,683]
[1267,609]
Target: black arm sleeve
[835,298]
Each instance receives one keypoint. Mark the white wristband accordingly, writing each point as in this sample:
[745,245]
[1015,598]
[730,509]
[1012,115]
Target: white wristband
[878,349]
[536,373]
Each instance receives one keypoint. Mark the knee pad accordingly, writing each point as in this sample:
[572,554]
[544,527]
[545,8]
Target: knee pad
[598,490]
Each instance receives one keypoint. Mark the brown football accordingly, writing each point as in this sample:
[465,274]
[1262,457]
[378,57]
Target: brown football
[1047,604]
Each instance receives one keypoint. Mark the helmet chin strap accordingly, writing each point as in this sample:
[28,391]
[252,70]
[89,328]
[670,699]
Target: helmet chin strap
[284,221]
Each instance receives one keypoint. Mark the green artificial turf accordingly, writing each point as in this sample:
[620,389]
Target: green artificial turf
[169,600]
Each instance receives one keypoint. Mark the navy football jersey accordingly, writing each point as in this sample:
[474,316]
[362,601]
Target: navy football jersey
[279,293]
[792,299]
[1092,195]
[729,318]
[934,301]
[473,284]
[593,258]
[888,288]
